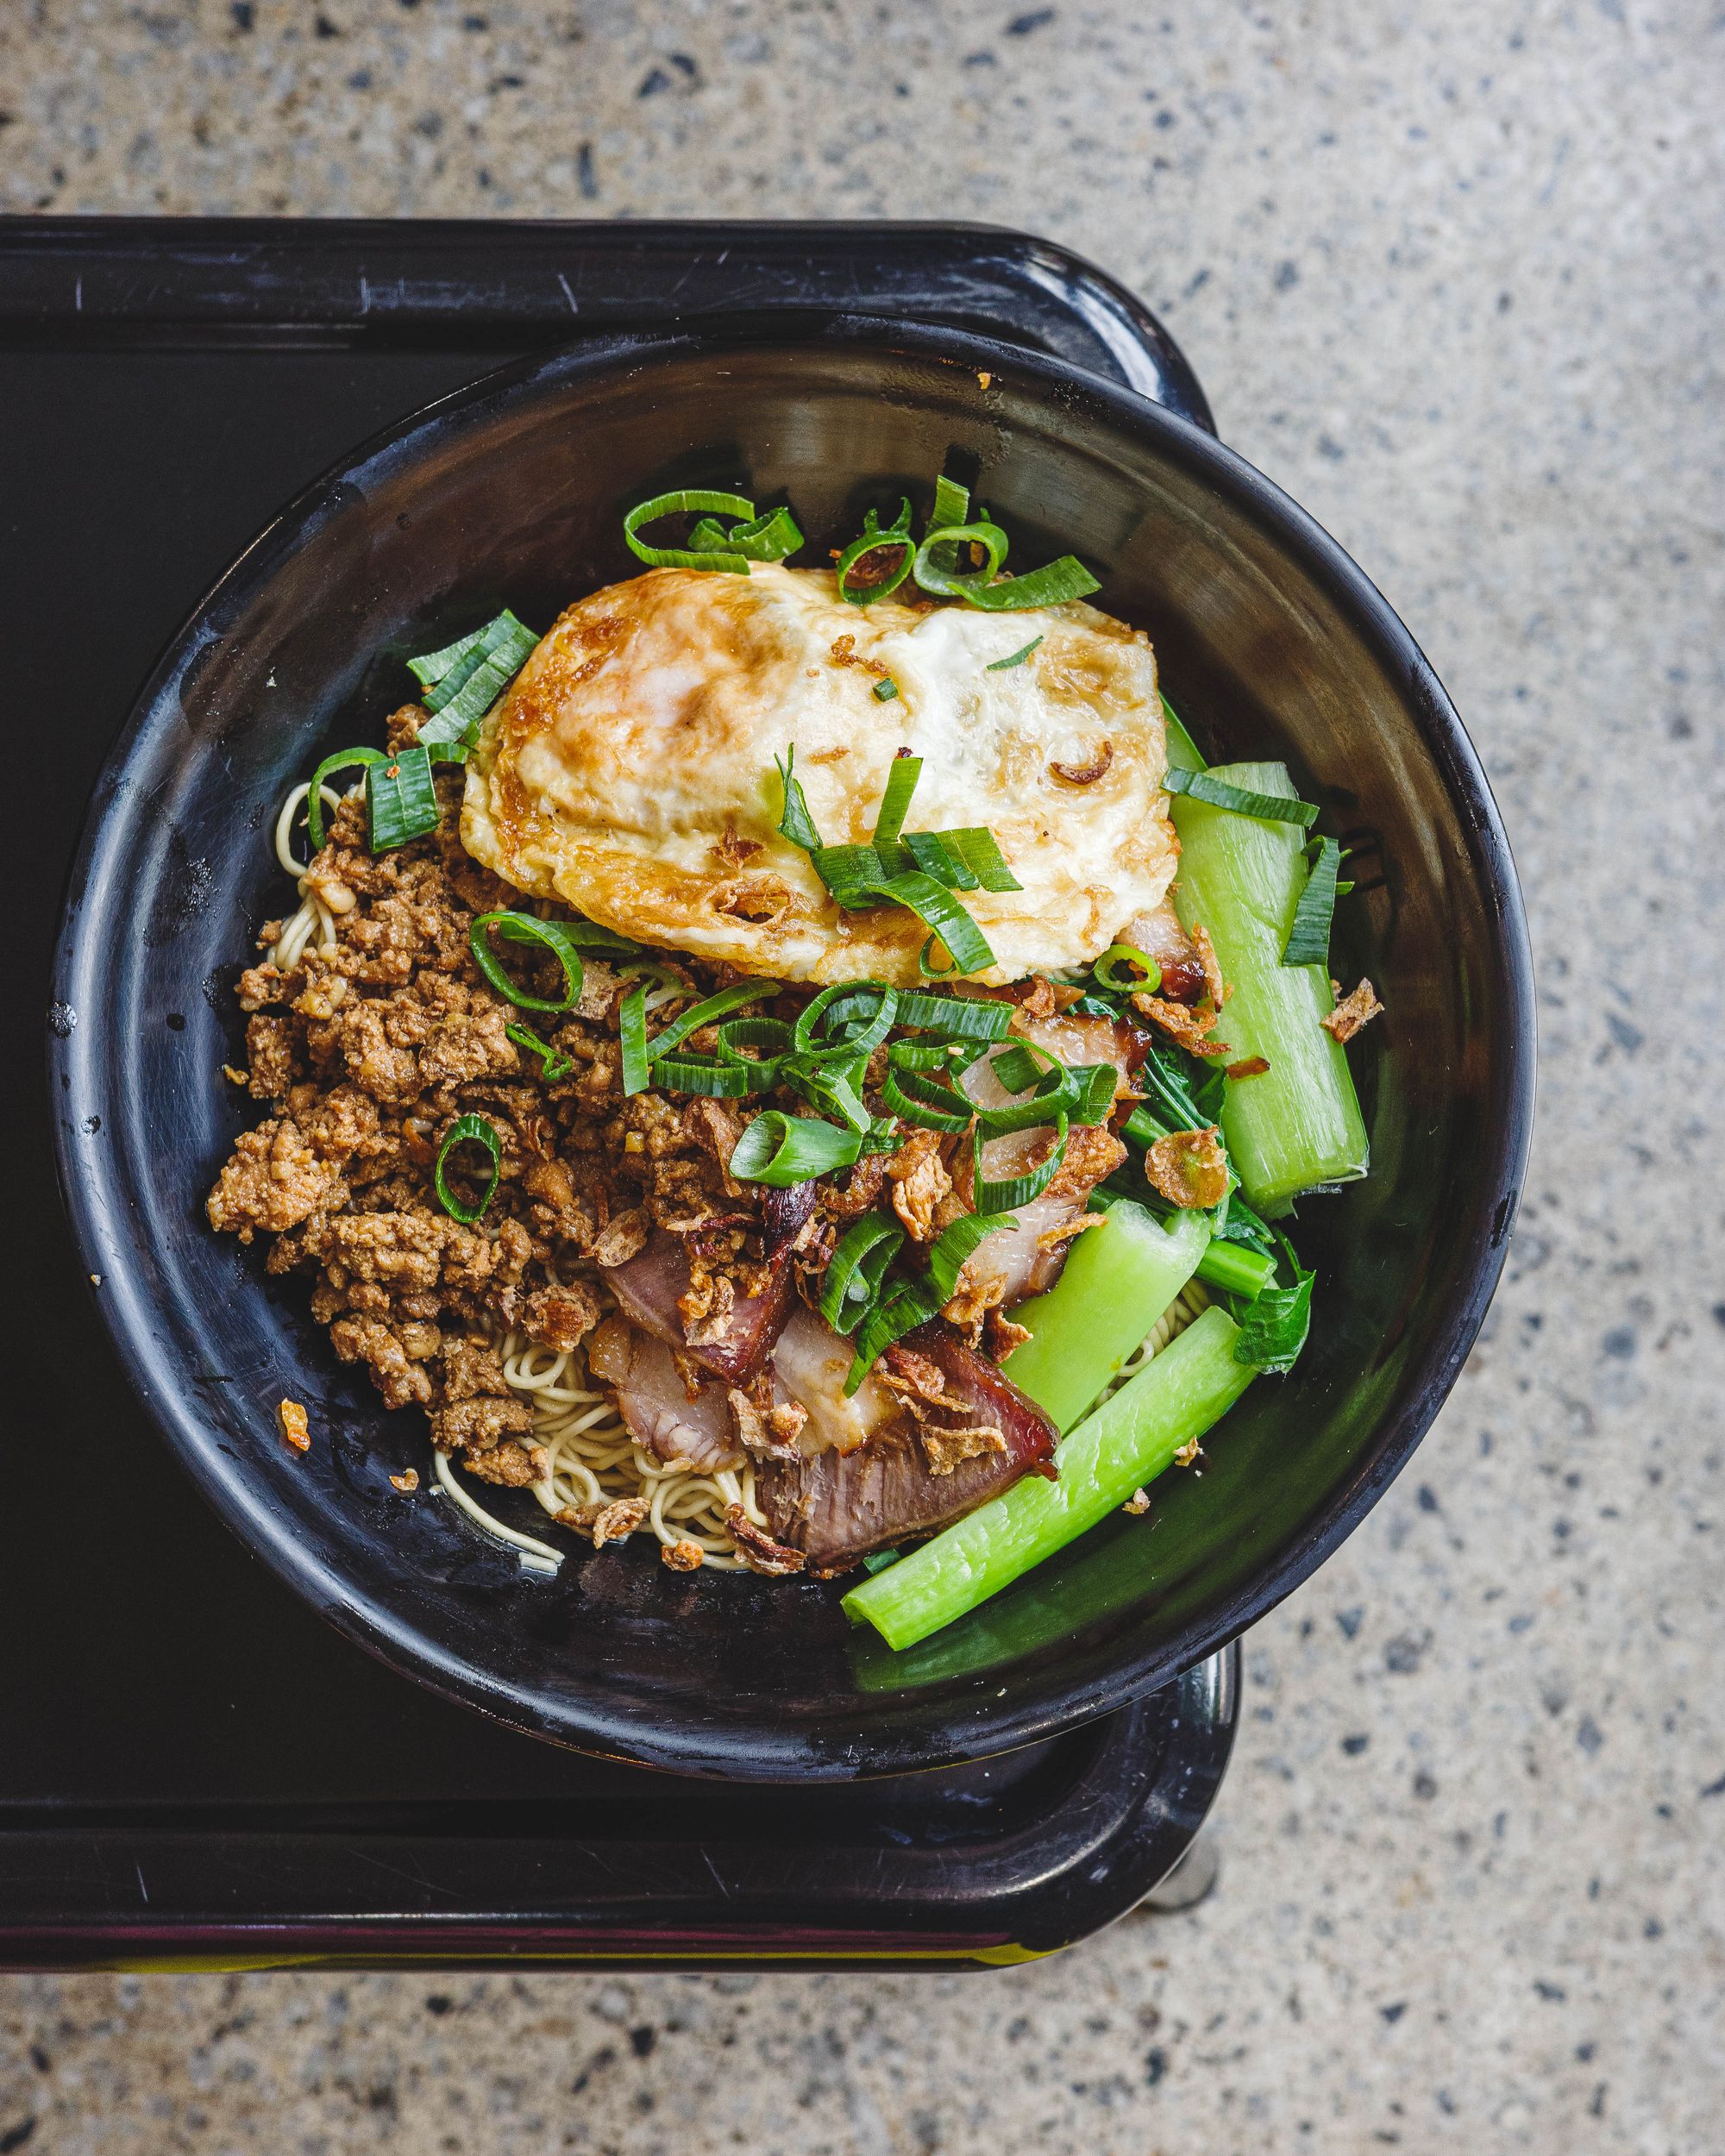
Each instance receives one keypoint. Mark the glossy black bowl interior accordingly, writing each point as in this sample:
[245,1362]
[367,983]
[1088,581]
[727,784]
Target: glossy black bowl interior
[1271,643]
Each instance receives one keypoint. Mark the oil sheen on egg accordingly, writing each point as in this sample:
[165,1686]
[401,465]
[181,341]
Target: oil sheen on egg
[630,772]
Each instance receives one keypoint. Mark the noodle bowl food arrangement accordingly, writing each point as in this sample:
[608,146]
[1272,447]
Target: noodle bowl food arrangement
[802,1067]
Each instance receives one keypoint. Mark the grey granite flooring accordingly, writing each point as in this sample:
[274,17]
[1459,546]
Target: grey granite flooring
[1450,275]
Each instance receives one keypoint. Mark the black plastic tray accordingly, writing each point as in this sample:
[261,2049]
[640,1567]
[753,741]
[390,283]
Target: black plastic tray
[192,1769]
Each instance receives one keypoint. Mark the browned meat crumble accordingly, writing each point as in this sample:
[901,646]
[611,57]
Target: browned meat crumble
[365,1052]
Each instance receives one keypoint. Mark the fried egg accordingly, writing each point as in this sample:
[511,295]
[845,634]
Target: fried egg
[630,771]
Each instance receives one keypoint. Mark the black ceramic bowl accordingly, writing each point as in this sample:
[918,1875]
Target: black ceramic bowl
[1271,643]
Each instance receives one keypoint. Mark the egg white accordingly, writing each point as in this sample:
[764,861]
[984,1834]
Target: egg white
[629,770]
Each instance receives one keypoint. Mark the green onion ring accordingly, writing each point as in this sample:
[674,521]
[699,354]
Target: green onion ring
[868,1034]
[771,1034]
[773,535]
[973,1018]
[1016,1190]
[1108,970]
[897,534]
[527,928]
[926,967]
[631,1034]
[553,1063]
[709,1012]
[952,583]
[343,760]
[1269,808]
[779,1150]
[895,800]
[833,1088]
[1052,585]
[719,1081]
[909,1094]
[954,1244]
[693,500]
[864,1251]
[896,1314]
[482,1132]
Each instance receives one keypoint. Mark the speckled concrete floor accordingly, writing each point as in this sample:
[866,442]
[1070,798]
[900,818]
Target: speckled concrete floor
[1451,274]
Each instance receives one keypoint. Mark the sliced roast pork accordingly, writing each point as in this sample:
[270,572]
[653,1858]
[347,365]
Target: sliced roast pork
[647,1290]
[957,1434]
[692,1426]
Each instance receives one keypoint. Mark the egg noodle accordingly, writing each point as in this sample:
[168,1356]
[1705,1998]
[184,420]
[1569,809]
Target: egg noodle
[591,1458]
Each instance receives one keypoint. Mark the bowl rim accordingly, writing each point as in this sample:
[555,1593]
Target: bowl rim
[588,1719]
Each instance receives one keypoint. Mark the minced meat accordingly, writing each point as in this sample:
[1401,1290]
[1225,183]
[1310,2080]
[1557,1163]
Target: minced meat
[365,1053]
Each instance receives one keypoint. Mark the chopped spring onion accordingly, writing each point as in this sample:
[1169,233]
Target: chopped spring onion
[969,950]
[772,1037]
[482,666]
[553,1063]
[970,1018]
[718,1081]
[885,691]
[953,1245]
[772,535]
[951,502]
[526,928]
[907,1093]
[631,1031]
[850,873]
[709,1012]
[852,1280]
[1014,1190]
[942,547]
[1052,585]
[779,1150]
[895,800]
[1014,659]
[875,536]
[430,667]
[479,1131]
[1124,1445]
[744,543]
[857,1014]
[400,799]
[343,760]
[1085,1092]
[878,1560]
[962,859]
[898,1312]
[1308,939]
[796,824]
[1271,808]
[857,876]
[833,1086]
[951,508]
[1125,970]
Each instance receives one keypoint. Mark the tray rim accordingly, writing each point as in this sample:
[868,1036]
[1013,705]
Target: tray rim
[53,287]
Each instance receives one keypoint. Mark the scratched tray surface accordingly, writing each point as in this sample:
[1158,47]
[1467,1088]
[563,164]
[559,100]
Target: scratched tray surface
[163,400]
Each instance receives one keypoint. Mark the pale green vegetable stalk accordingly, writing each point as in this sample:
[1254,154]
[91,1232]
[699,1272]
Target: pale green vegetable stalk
[1298,1124]
[1126,1442]
[1118,1279]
